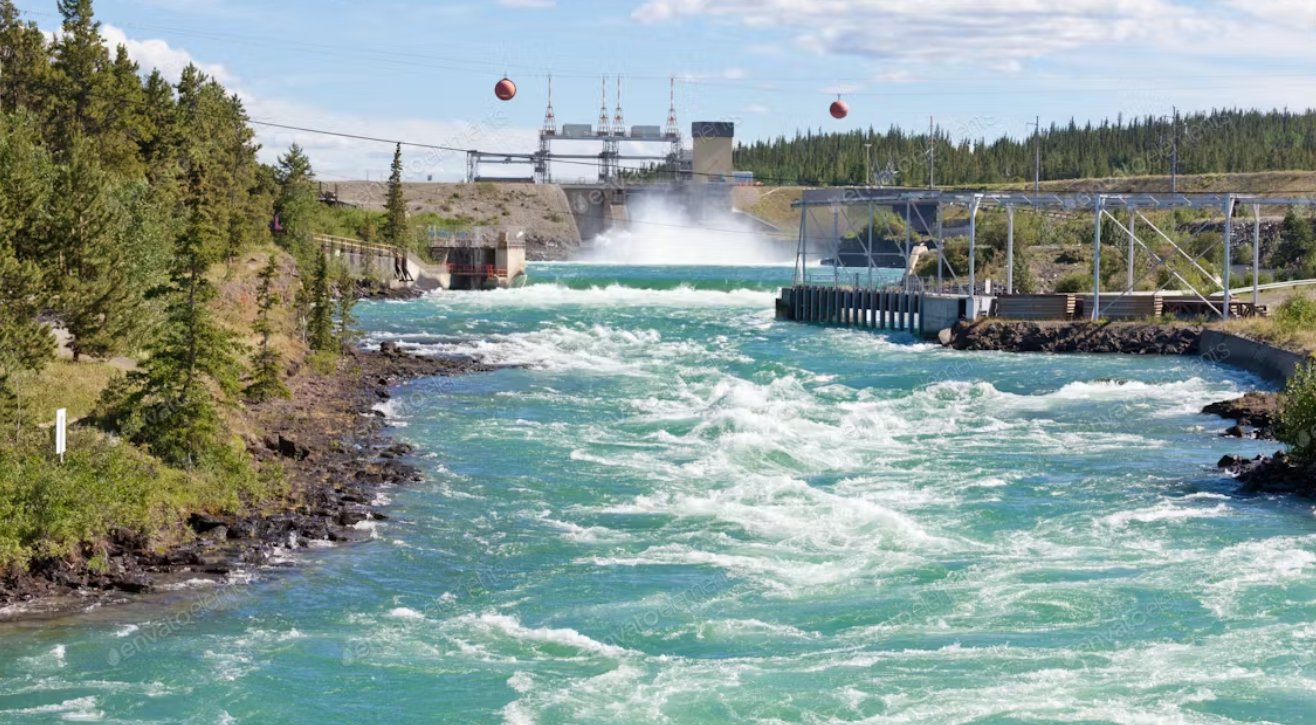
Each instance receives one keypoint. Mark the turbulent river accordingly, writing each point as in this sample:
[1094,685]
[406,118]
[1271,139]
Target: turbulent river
[676,510]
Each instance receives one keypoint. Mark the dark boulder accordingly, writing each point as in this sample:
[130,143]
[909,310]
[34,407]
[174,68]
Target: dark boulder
[1256,410]
[205,523]
[290,449]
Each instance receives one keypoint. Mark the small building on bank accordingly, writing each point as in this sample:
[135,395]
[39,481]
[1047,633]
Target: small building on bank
[480,260]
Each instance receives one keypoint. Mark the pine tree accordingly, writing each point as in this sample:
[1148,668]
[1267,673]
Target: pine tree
[348,292]
[296,205]
[24,54]
[83,253]
[25,344]
[173,403]
[80,77]
[320,321]
[396,230]
[267,365]
[1297,241]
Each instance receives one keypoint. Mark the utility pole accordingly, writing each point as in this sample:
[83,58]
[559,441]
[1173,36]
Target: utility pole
[1037,163]
[1037,168]
[868,165]
[1174,151]
[932,152]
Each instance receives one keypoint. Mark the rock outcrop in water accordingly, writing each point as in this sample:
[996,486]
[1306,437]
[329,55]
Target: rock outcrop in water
[1069,337]
[1277,474]
[1256,415]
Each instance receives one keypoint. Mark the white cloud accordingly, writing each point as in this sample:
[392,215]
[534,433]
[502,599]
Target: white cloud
[337,156]
[528,4]
[1285,13]
[726,74]
[1000,33]
[153,54]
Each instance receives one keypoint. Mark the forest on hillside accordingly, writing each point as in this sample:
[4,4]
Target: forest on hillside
[156,279]
[1221,141]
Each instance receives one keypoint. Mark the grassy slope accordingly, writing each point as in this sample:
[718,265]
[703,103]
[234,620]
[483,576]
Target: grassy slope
[53,510]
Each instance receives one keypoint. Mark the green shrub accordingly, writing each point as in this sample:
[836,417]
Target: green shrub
[1296,313]
[1073,284]
[1072,256]
[1298,414]
[49,509]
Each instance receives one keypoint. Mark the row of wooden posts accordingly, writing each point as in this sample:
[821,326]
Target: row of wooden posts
[870,309]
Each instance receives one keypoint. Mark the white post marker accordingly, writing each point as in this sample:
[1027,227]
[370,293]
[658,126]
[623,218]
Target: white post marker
[61,433]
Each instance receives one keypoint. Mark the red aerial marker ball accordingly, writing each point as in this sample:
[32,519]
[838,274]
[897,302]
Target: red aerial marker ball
[840,109]
[505,90]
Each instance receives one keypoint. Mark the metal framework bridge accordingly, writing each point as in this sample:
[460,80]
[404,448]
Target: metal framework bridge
[1128,213]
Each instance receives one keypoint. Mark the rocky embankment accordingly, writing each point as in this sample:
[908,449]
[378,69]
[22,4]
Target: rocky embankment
[1277,474]
[1257,417]
[1068,337]
[331,442]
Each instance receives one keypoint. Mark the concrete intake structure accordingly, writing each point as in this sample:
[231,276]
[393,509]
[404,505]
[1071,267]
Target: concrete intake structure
[462,262]
[919,314]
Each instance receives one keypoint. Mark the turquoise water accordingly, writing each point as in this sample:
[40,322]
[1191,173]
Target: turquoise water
[681,511]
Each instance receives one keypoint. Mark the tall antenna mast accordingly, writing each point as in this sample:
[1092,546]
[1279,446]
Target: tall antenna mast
[618,124]
[604,124]
[932,152]
[673,128]
[550,118]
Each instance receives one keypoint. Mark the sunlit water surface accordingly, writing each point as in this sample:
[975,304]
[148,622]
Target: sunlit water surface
[681,511]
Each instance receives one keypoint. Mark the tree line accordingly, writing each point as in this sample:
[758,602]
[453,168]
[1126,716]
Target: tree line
[1219,141]
[121,193]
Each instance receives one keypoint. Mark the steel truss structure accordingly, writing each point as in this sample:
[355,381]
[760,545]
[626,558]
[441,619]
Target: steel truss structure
[1126,212]
[611,132]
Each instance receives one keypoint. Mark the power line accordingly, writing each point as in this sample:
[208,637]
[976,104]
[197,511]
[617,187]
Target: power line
[477,67]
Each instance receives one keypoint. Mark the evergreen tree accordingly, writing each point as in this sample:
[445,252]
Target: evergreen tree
[24,82]
[1297,241]
[172,403]
[160,139]
[25,344]
[95,295]
[267,365]
[396,231]
[320,321]
[296,205]
[345,286]
[81,82]
[26,185]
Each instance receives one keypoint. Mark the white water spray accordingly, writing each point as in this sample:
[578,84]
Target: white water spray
[664,233]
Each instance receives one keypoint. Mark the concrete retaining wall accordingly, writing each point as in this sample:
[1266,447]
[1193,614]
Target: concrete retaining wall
[1269,362]
[939,313]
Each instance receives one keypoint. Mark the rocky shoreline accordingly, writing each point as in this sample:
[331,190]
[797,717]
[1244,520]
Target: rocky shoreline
[1069,337]
[1257,417]
[331,441]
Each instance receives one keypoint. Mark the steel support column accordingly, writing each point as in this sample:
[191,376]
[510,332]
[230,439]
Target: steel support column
[1133,221]
[1009,272]
[1256,257]
[1097,205]
[1229,252]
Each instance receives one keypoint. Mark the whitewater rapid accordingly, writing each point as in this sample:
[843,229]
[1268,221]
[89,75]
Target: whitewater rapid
[672,509]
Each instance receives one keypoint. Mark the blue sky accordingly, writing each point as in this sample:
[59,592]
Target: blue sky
[425,71]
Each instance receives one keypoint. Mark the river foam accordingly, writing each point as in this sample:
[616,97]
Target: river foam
[673,509]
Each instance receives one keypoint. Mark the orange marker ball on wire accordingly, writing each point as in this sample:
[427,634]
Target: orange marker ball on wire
[505,90]
[840,109]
